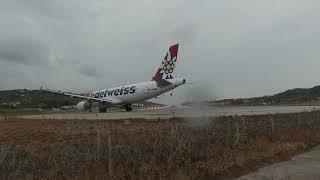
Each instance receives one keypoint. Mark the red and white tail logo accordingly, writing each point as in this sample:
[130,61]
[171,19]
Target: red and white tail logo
[168,64]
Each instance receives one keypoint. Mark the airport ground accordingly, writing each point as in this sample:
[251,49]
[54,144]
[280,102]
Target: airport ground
[179,147]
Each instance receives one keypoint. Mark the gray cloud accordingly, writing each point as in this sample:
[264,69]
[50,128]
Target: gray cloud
[184,34]
[23,51]
[90,71]
[236,48]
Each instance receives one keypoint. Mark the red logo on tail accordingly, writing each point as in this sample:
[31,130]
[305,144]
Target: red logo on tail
[168,64]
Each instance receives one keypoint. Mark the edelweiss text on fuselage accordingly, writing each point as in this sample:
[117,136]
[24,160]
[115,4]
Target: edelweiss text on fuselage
[114,92]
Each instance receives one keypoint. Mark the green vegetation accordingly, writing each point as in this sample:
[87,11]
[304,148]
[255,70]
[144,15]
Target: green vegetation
[29,111]
[16,112]
[23,98]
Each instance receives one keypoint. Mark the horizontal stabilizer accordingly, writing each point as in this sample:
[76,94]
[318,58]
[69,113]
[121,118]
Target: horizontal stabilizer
[162,82]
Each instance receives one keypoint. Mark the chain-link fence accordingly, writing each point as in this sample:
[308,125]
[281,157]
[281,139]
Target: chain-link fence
[136,148]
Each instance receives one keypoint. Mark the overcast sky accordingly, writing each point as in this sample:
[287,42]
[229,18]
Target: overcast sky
[234,48]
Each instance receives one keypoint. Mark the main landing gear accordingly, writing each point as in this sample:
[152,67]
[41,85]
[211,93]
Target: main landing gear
[128,107]
[102,109]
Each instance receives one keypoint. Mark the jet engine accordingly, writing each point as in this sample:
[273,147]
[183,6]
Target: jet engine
[83,105]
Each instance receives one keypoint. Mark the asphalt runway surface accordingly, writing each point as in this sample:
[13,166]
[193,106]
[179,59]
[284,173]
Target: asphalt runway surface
[303,166]
[178,111]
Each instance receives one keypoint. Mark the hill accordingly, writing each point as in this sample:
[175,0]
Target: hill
[297,96]
[23,98]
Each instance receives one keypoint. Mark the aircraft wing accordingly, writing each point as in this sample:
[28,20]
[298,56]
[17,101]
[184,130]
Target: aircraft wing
[87,97]
[77,96]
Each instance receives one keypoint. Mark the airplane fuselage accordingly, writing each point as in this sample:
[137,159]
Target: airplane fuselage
[136,92]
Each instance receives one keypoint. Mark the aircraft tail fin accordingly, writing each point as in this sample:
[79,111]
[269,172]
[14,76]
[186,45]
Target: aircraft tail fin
[168,64]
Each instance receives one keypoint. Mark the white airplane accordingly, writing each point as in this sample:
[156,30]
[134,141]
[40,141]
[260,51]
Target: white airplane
[124,96]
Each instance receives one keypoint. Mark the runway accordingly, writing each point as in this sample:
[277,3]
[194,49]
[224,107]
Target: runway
[178,111]
[303,166]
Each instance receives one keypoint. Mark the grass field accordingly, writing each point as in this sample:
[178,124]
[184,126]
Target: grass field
[223,147]
[30,111]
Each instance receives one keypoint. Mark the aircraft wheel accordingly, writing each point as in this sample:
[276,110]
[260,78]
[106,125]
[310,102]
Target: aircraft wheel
[102,109]
[128,108]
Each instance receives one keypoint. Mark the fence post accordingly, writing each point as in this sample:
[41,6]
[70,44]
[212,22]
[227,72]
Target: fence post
[229,137]
[174,129]
[298,121]
[237,135]
[110,151]
[98,142]
[272,124]
[109,155]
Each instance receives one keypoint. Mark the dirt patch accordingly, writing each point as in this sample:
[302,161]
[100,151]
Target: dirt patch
[225,147]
